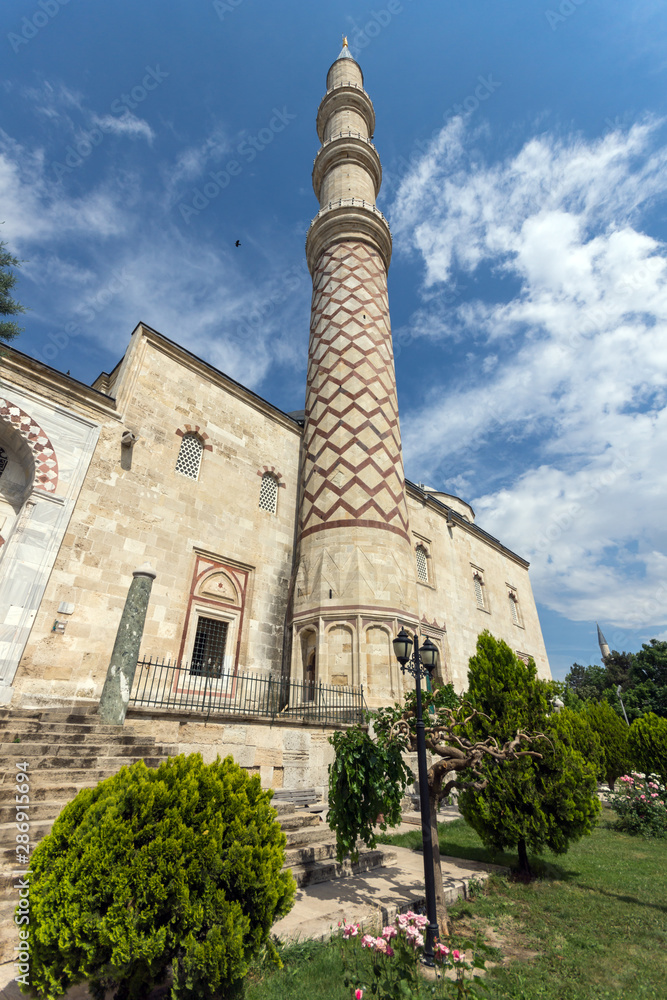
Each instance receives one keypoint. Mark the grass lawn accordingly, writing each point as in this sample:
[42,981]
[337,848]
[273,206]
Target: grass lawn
[593,925]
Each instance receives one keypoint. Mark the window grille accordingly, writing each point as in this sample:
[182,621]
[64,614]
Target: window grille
[513,609]
[3,460]
[479,593]
[268,493]
[422,566]
[189,456]
[208,651]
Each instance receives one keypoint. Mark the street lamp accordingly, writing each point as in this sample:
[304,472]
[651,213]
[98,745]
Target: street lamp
[420,664]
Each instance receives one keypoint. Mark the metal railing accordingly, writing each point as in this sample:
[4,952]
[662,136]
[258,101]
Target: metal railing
[212,690]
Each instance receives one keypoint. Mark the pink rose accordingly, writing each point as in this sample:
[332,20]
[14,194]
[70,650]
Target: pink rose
[388,933]
[358,994]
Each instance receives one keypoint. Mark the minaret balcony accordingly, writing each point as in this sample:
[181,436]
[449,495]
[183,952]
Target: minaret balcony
[343,148]
[343,97]
[348,219]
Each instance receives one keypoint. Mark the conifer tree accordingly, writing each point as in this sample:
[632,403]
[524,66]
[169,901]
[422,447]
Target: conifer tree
[529,803]
[8,306]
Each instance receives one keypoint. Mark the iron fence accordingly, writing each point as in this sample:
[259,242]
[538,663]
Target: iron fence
[212,690]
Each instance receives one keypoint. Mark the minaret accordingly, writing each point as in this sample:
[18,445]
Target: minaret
[604,645]
[356,576]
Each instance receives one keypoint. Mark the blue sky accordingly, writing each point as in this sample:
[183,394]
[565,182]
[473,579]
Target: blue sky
[525,151]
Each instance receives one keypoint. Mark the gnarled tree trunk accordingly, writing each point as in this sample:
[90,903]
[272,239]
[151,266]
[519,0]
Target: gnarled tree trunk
[441,908]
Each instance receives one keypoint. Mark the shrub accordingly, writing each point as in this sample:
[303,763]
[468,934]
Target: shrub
[531,804]
[647,743]
[178,866]
[573,728]
[641,804]
[613,734]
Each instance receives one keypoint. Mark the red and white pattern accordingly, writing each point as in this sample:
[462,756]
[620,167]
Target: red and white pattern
[353,471]
[46,462]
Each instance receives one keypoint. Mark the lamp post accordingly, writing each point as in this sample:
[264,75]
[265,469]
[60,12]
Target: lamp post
[420,664]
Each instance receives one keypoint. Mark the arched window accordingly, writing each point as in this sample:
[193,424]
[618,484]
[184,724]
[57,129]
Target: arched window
[268,493]
[189,456]
[514,607]
[422,564]
[3,460]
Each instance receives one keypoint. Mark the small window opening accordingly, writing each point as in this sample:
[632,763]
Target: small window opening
[189,456]
[479,591]
[422,565]
[268,493]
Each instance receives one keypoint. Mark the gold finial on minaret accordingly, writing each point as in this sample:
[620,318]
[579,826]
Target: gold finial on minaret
[344,41]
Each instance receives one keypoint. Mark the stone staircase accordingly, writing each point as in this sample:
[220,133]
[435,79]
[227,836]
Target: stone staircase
[70,750]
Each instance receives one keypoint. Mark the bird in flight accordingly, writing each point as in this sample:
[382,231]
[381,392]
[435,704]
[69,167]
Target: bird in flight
[238,243]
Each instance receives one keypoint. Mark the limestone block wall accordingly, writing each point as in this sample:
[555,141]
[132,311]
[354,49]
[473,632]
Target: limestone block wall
[49,447]
[284,755]
[215,552]
[449,602]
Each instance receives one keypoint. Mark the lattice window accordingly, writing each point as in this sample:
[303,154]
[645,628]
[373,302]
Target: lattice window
[268,493]
[189,456]
[208,651]
[514,610]
[3,460]
[479,590]
[422,564]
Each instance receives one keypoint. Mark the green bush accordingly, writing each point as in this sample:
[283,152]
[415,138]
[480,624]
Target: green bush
[532,804]
[647,743]
[573,728]
[613,734]
[175,867]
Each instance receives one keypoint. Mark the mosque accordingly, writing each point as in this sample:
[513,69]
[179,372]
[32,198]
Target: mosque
[283,544]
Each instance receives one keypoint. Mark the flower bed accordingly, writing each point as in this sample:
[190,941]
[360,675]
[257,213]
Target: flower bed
[389,965]
[641,805]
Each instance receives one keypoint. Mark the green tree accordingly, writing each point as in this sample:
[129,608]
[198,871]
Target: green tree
[648,692]
[8,306]
[178,867]
[647,744]
[613,734]
[575,731]
[587,682]
[368,776]
[531,803]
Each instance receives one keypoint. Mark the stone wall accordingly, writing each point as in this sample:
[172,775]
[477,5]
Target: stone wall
[448,600]
[284,755]
[215,552]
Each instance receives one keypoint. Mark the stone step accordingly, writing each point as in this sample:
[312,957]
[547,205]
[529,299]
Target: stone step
[38,830]
[22,726]
[90,748]
[107,762]
[297,821]
[326,871]
[322,850]
[306,835]
[38,810]
[58,792]
[75,736]
[79,772]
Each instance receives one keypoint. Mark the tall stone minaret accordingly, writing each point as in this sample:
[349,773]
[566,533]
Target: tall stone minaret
[356,576]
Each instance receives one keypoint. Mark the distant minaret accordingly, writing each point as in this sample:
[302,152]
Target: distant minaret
[604,645]
[356,562]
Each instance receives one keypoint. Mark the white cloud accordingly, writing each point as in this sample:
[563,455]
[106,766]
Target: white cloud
[562,422]
[98,264]
[126,124]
